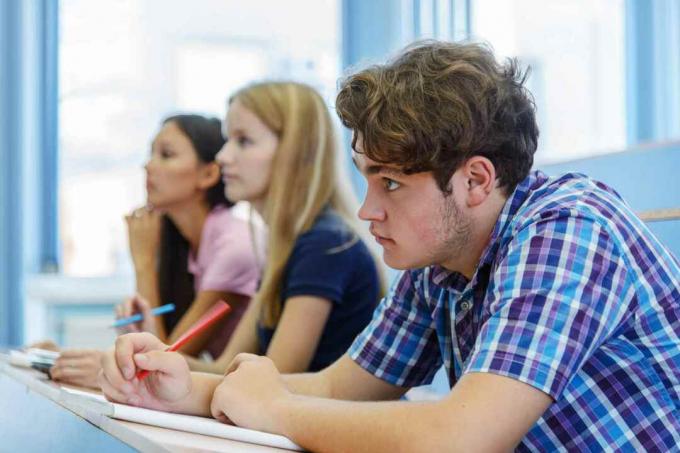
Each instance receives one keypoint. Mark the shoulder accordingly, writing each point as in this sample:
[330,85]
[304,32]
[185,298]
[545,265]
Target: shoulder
[575,192]
[226,236]
[221,224]
[332,250]
[565,202]
[329,233]
[221,215]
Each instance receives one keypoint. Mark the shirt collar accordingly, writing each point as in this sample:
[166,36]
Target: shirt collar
[457,281]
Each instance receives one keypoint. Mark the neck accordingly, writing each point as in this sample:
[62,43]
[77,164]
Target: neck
[258,206]
[480,228]
[189,220]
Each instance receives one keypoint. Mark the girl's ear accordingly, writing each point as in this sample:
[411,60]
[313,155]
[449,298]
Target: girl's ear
[209,175]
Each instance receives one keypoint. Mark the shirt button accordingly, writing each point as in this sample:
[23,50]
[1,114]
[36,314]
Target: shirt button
[465,306]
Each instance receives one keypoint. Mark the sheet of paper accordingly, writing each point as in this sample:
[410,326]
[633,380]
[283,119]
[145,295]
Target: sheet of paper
[181,422]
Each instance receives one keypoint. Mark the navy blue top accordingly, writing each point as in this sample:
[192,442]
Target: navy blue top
[329,261]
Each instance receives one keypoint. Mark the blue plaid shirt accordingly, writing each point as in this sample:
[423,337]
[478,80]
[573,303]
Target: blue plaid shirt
[573,296]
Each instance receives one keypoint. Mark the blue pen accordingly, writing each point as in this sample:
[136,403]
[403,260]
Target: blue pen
[167,308]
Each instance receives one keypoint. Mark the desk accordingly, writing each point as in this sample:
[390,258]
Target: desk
[33,419]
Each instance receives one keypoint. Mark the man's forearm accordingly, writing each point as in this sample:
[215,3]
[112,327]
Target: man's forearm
[343,380]
[483,412]
[309,384]
[332,425]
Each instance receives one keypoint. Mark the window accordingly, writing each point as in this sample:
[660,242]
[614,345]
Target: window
[576,51]
[126,64]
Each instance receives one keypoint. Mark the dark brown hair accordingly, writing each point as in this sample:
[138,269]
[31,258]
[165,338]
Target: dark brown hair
[439,103]
[175,282]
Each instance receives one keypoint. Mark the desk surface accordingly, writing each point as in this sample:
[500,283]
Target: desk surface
[32,418]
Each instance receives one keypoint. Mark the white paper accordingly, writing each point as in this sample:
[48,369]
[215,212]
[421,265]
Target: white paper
[188,423]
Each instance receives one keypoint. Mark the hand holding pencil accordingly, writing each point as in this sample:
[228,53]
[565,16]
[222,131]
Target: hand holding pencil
[121,379]
[170,383]
[138,310]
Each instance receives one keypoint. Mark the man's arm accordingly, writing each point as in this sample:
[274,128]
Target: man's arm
[343,380]
[484,412]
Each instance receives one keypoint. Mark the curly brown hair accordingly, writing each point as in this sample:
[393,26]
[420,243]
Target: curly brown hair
[439,103]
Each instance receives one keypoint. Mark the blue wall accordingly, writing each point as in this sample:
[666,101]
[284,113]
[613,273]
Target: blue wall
[28,152]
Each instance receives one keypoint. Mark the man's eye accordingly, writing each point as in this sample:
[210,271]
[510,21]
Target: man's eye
[390,184]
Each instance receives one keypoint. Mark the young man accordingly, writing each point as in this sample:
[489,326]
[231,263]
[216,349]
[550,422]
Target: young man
[553,308]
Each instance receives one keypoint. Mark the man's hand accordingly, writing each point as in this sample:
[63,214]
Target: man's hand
[252,394]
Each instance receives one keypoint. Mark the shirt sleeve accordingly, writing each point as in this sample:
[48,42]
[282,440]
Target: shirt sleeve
[555,298]
[231,268]
[400,344]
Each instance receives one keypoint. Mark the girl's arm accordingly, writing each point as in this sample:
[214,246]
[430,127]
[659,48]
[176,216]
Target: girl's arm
[198,307]
[244,339]
[298,333]
[147,287]
[294,343]
[144,236]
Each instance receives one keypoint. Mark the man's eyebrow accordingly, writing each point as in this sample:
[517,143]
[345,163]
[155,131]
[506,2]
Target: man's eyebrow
[383,169]
[378,168]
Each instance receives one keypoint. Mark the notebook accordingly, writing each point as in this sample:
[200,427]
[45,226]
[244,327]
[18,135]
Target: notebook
[180,422]
[39,359]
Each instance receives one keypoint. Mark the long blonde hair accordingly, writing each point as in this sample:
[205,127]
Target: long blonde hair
[304,178]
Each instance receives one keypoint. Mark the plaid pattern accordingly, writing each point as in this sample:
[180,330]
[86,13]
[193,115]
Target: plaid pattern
[573,296]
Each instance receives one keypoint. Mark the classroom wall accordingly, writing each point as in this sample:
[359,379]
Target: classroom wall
[647,177]
[29,239]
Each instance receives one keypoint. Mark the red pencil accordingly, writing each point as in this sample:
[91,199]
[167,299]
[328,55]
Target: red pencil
[218,310]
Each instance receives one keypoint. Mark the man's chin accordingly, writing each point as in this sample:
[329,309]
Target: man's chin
[401,263]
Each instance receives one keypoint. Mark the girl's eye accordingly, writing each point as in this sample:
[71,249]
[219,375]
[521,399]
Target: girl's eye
[390,184]
[243,141]
[165,154]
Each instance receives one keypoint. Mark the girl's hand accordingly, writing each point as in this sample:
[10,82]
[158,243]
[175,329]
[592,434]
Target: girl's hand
[168,383]
[78,367]
[144,232]
[132,306]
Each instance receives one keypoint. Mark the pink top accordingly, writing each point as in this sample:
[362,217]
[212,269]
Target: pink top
[226,260]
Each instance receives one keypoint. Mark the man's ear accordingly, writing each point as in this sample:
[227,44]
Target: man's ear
[480,179]
[209,176]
